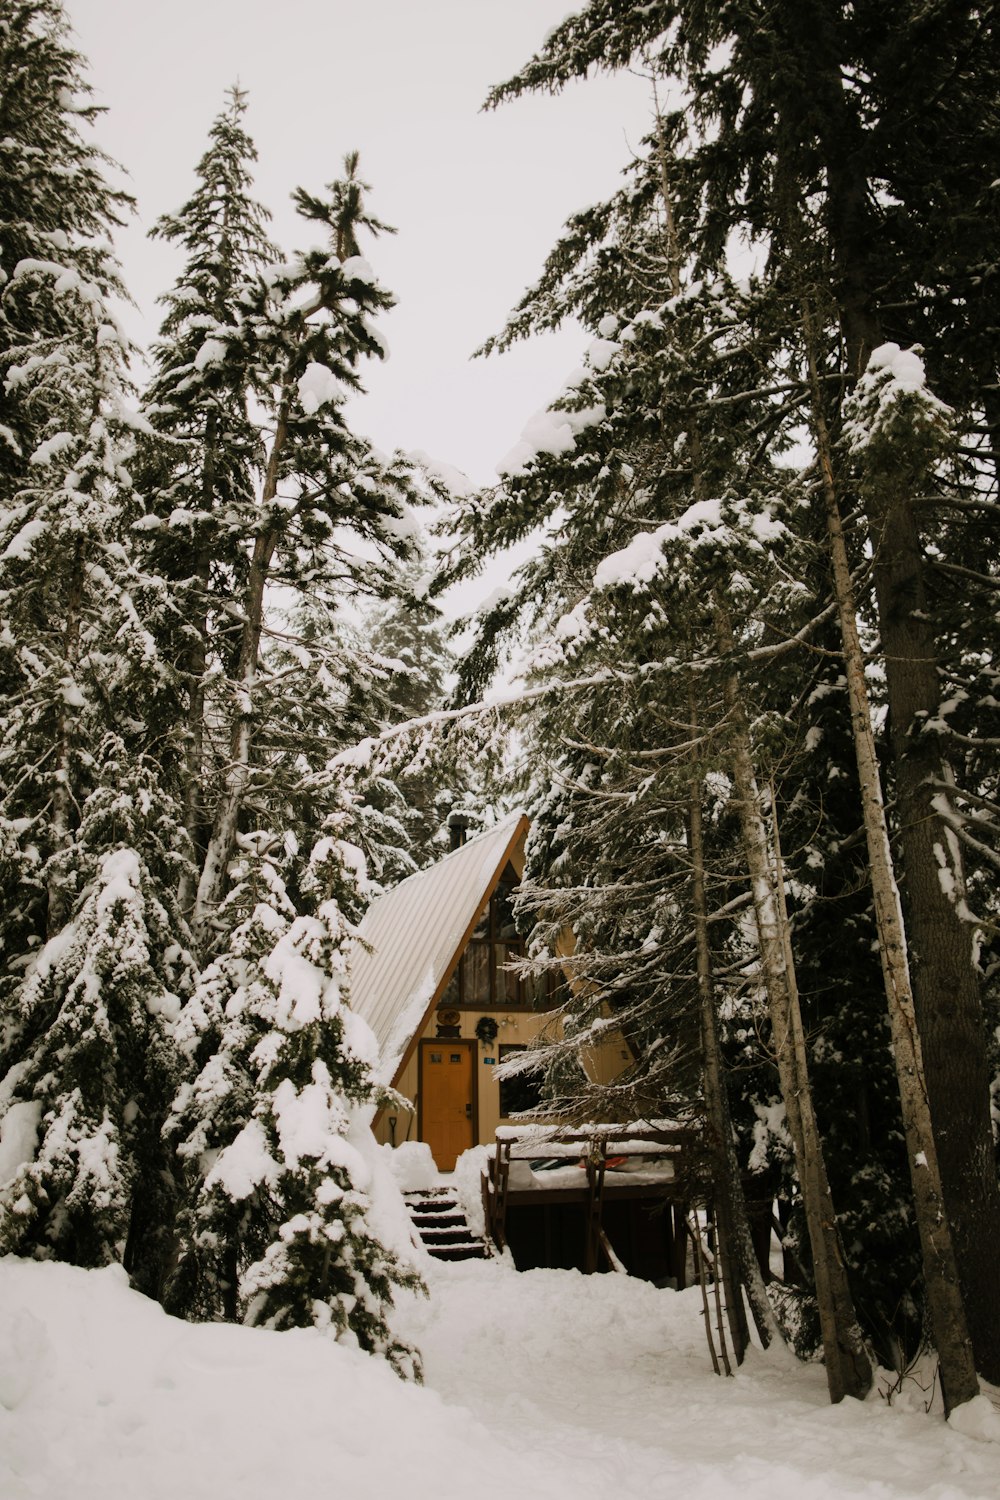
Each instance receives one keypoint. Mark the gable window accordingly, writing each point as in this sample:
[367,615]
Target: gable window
[483,977]
[482,980]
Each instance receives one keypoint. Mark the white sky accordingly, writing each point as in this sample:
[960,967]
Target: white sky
[478,199]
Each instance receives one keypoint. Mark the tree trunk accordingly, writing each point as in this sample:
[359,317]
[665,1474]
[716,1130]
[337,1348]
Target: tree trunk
[226,822]
[735,1244]
[946,985]
[195,666]
[940,1272]
[848,1369]
[951,1337]
[947,992]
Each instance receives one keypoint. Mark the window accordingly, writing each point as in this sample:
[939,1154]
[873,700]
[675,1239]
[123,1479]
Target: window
[522,1093]
[482,980]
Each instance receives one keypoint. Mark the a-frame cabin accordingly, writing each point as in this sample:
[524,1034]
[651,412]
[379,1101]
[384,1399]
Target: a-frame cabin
[431,978]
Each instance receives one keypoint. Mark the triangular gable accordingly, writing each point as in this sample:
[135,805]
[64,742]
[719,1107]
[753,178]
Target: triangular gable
[416,933]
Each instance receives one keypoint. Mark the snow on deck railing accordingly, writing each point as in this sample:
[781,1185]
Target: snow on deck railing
[639,1138]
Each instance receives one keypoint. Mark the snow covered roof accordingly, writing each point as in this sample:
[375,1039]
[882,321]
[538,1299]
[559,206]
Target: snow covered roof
[416,932]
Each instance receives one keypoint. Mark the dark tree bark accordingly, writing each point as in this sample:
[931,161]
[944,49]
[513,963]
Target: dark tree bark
[848,1368]
[945,979]
[735,1243]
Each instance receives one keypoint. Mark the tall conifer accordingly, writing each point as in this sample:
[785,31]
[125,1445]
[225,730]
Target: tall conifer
[806,110]
[201,472]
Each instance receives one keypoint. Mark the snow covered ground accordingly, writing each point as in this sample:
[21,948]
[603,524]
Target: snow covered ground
[546,1384]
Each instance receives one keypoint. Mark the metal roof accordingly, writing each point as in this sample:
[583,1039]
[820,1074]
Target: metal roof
[415,933]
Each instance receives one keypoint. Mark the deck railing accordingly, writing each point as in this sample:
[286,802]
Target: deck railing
[593,1147]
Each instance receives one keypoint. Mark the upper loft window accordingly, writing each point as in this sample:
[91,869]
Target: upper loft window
[482,981]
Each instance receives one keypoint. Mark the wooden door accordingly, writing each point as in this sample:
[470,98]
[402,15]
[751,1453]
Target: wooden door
[447,1099]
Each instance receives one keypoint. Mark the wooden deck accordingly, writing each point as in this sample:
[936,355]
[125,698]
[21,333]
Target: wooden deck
[599,1184]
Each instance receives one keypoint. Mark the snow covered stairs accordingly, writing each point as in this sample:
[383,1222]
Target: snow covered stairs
[441,1226]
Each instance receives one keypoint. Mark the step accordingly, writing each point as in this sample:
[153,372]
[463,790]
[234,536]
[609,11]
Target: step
[441,1226]
[435,1238]
[469,1250]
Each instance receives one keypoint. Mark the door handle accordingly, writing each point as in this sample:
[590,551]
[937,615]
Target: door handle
[468,1111]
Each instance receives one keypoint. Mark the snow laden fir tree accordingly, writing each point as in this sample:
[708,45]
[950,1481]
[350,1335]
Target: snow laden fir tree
[91,1030]
[183,1088]
[735,644]
[92,850]
[275,1229]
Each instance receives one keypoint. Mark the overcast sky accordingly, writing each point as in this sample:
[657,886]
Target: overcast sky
[478,199]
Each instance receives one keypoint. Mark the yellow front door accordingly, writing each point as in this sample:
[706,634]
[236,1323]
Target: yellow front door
[446,1099]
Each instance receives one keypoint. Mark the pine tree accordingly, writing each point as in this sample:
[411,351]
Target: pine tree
[643,436]
[305,327]
[407,636]
[63,485]
[89,1052]
[57,213]
[200,475]
[779,129]
[275,1229]
[119,610]
[324,691]
[94,950]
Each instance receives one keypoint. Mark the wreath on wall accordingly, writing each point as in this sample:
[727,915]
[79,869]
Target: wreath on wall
[486,1030]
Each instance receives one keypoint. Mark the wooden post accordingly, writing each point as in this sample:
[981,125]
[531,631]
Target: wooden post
[679,1256]
[596,1158]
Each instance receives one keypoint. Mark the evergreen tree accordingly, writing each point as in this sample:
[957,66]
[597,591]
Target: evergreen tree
[275,1229]
[414,660]
[815,106]
[65,585]
[134,646]
[200,474]
[305,327]
[658,440]
[57,213]
[643,406]
[323,691]
[89,1058]
[94,952]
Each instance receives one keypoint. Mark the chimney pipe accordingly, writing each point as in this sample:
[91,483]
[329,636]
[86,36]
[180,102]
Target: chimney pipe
[458,825]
